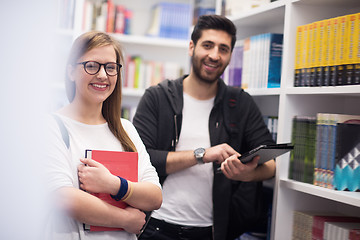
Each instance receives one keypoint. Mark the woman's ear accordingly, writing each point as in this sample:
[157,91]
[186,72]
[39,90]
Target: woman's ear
[70,72]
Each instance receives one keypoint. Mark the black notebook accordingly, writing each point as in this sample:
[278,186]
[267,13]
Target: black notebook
[266,152]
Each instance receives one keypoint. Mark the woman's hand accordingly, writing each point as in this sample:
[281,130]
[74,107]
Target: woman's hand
[135,220]
[96,178]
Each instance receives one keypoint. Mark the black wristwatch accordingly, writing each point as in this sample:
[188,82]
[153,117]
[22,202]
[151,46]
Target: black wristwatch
[199,154]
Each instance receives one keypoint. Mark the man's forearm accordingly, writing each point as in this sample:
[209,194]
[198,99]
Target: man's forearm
[177,161]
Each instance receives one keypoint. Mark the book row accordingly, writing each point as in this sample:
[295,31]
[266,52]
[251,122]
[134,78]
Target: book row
[171,20]
[256,62]
[325,225]
[327,52]
[326,151]
[106,16]
[141,74]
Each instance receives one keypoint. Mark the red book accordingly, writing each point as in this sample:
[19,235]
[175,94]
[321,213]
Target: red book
[123,164]
[319,224]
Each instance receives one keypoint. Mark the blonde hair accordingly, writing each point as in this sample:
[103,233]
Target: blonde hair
[111,109]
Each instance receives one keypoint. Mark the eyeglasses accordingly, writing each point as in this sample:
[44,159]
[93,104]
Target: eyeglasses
[92,67]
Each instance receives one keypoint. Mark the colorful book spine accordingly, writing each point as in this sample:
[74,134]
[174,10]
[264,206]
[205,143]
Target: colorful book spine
[347,169]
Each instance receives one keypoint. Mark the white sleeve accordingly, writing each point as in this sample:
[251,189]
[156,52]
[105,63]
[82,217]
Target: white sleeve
[58,162]
[147,172]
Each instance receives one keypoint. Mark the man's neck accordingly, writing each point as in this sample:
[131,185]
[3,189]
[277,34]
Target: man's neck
[199,89]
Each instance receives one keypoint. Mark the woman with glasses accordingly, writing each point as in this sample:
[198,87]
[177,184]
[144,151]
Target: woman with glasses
[92,121]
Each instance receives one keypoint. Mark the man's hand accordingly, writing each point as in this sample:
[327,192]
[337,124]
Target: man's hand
[219,153]
[234,169]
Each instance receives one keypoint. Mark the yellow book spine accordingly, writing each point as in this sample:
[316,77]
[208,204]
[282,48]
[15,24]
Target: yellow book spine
[297,65]
[309,51]
[341,50]
[304,47]
[326,53]
[314,54]
[333,50]
[320,49]
[357,50]
[349,60]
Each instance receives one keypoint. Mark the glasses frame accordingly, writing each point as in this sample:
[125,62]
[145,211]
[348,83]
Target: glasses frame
[102,64]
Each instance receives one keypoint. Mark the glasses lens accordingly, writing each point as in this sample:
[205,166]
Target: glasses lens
[92,67]
[111,68]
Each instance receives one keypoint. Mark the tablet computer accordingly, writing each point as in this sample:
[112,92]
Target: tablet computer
[266,152]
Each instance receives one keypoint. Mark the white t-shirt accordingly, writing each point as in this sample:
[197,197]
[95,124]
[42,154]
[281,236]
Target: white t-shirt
[62,166]
[187,194]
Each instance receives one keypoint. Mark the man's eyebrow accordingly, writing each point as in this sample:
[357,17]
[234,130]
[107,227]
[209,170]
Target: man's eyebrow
[211,42]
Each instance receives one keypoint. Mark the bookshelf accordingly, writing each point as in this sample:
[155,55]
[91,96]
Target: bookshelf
[283,16]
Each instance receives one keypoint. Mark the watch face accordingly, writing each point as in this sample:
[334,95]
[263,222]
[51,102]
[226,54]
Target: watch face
[199,152]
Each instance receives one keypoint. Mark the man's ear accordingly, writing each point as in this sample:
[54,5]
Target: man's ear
[191,48]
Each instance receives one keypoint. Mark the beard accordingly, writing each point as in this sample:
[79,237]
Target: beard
[202,75]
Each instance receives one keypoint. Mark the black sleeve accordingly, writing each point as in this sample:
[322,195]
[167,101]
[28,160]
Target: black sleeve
[146,121]
[255,130]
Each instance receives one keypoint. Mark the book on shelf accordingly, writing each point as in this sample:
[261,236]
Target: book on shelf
[356,62]
[342,230]
[246,64]
[328,145]
[347,169]
[271,122]
[326,52]
[302,158]
[311,225]
[124,164]
[170,20]
[236,65]
[298,55]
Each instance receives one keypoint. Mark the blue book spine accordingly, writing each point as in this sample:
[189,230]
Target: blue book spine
[275,58]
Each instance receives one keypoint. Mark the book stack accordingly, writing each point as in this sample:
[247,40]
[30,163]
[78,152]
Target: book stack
[317,225]
[171,20]
[334,146]
[106,17]
[302,158]
[140,73]
[327,53]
